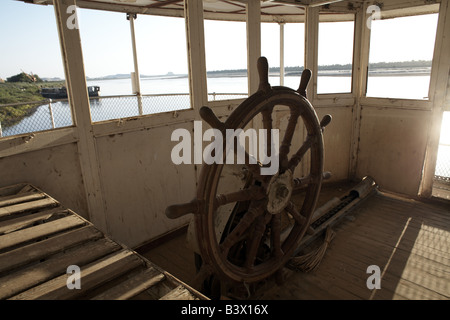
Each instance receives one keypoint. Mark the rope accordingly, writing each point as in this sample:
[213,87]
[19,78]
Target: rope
[310,261]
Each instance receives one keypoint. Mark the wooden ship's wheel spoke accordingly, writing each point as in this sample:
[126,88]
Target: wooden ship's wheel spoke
[265,226]
[286,144]
[243,226]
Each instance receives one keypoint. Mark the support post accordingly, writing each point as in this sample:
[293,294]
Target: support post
[193,10]
[439,81]
[360,71]
[253,10]
[71,52]
[281,53]
[311,48]
[136,75]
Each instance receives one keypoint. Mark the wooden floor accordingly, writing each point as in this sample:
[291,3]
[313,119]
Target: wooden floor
[42,244]
[408,240]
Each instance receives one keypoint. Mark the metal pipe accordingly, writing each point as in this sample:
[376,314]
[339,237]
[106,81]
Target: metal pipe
[137,80]
[281,53]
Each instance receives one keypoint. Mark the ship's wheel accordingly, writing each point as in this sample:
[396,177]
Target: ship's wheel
[251,231]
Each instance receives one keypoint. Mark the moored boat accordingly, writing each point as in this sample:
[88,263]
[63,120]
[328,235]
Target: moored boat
[61,93]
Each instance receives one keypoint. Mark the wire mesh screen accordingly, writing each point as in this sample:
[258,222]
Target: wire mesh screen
[49,114]
[118,107]
[442,172]
[30,117]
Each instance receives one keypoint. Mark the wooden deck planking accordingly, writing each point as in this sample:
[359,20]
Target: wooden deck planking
[20,198]
[175,257]
[33,275]
[94,274]
[132,286]
[27,206]
[14,224]
[178,294]
[409,240]
[39,231]
[45,248]
[39,240]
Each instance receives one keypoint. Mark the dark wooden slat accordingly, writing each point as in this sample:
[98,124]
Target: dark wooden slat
[11,225]
[133,286]
[20,197]
[28,206]
[42,249]
[92,276]
[26,278]
[179,293]
[36,232]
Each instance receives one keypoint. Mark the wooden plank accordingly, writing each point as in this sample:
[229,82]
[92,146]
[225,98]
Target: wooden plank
[179,293]
[36,232]
[28,220]
[45,248]
[133,286]
[28,206]
[92,275]
[19,198]
[15,283]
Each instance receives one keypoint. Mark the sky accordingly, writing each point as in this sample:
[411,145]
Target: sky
[29,42]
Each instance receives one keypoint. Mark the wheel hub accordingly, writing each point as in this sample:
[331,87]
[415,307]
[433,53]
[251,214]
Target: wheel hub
[279,191]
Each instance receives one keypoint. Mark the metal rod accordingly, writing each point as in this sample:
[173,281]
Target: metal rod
[137,80]
[281,53]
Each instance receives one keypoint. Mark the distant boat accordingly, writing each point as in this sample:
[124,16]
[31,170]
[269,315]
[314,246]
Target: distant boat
[61,93]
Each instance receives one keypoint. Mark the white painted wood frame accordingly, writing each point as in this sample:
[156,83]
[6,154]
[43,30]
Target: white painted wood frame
[72,57]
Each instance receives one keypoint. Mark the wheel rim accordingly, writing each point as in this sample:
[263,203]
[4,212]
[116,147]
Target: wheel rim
[261,224]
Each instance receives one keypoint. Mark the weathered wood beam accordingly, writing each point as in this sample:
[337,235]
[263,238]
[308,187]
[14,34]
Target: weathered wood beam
[439,81]
[72,57]
[359,81]
[196,53]
[253,43]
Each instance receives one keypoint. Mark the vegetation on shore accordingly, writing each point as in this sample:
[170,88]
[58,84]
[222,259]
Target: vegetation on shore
[20,88]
